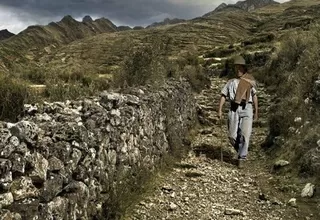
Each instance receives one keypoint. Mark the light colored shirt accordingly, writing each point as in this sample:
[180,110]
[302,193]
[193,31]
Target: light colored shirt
[230,89]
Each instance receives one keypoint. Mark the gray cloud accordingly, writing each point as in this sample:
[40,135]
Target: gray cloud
[16,15]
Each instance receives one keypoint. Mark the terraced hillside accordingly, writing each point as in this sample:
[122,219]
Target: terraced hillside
[37,40]
[68,43]
[201,34]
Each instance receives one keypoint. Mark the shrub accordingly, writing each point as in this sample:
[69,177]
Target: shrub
[144,65]
[13,95]
[149,64]
[292,75]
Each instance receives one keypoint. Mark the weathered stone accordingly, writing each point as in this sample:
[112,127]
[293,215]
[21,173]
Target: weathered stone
[7,215]
[229,211]
[61,150]
[298,120]
[6,199]
[308,190]
[23,188]
[292,202]
[39,168]
[5,166]
[5,135]
[78,193]
[281,163]
[80,173]
[90,158]
[172,207]
[25,131]
[43,118]
[27,208]
[30,109]
[112,157]
[54,164]
[44,146]
[56,209]
[19,163]
[22,149]
[14,141]
[7,151]
[51,188]
[75,158]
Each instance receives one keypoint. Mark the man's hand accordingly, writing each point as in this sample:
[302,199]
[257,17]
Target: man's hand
[222,101]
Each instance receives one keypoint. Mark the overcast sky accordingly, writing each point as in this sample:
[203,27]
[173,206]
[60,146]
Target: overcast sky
[16,15]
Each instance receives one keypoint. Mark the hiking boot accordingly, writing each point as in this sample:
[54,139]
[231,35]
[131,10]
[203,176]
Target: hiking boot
[241,163]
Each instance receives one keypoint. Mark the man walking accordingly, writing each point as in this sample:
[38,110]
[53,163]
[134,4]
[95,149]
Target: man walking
[241,93]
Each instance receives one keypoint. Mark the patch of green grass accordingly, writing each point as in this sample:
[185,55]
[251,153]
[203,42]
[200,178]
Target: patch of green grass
[13,96]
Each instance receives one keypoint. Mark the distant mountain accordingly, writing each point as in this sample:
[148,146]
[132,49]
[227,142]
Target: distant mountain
[5,34]
[248,5]
[221,6]
[35,41]
[124,28]
[136,28]
[87,19]
[166,22]
[62,32]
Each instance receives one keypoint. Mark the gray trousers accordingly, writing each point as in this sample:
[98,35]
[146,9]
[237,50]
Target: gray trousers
[240,128]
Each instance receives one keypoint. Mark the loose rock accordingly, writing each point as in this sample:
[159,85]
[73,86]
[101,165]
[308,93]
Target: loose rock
[308,190]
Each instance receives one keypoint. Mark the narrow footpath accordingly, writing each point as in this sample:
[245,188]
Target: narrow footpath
[208,184]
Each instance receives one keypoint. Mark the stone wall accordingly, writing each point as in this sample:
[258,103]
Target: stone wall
[64,160]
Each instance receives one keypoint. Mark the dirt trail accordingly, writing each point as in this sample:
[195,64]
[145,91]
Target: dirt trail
[203,187]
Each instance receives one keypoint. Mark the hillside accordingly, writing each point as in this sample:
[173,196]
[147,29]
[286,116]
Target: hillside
[202,34]
[34,41]
[101,45]
[247,5]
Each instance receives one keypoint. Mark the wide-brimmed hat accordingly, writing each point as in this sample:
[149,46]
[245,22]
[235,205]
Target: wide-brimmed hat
[239,60]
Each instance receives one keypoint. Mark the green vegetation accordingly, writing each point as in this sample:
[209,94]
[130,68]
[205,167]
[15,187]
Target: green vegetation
[13,95]
[291,75]
[149,64]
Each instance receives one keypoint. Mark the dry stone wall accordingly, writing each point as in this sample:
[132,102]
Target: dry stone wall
[63,160]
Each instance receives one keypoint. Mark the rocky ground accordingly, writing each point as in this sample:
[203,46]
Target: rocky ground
[208,184]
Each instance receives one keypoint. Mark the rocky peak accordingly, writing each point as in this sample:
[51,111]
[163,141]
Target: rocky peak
[250,5]
[247,5]
[87,18]
[221,6]
[4,34]
[68,19]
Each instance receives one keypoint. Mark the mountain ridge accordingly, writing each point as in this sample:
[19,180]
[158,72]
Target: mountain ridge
[5,34]
[247,5]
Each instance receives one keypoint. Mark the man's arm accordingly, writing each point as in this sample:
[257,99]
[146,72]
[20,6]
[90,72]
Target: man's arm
[222,101]
[256,107]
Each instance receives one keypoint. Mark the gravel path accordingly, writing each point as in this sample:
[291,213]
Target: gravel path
[204,187]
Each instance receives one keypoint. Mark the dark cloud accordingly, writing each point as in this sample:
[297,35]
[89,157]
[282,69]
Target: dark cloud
[122,12]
